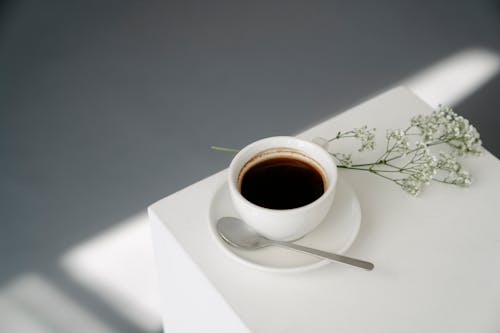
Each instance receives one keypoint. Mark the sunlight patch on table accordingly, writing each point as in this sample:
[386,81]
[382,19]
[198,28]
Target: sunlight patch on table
[118,265]
[456,77]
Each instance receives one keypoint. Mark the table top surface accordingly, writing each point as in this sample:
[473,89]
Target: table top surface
[435,255]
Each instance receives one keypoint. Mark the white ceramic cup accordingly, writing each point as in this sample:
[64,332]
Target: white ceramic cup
[283,224]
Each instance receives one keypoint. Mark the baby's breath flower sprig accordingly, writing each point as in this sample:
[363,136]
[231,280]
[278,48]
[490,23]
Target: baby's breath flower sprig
[407,159]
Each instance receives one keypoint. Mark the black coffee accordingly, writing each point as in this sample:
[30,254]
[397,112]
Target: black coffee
[282,183]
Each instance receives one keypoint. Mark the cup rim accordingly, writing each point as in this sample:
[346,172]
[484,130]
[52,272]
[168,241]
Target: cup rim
[331,183]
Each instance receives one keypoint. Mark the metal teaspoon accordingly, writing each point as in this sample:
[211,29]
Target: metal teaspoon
[237,233]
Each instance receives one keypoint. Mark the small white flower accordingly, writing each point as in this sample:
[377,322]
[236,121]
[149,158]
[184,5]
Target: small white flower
[395,134]
[411,185]
[399,141]
[453,171]
[345,159]
[366,136]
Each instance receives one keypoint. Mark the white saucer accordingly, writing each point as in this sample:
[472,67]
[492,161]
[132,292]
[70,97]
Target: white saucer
[335,234]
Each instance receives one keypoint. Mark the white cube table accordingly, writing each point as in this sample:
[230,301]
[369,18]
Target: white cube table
[436,256]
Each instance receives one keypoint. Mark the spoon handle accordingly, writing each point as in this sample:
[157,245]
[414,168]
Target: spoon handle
[327,255]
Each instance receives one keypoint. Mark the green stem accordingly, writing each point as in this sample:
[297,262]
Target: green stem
[394,166]
[366,169]
[341,136]
[218,148]
[365,164]
[381,175]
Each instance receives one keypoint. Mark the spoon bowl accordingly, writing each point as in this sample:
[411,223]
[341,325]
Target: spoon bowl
[239,234]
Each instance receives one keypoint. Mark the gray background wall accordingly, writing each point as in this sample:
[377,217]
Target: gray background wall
[107,106]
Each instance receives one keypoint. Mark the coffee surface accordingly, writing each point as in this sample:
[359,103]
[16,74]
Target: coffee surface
[282,183]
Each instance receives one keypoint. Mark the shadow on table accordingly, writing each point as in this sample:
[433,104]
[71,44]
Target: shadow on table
[481,109]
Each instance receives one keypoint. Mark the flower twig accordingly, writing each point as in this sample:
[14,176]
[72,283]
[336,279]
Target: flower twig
[408,159]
